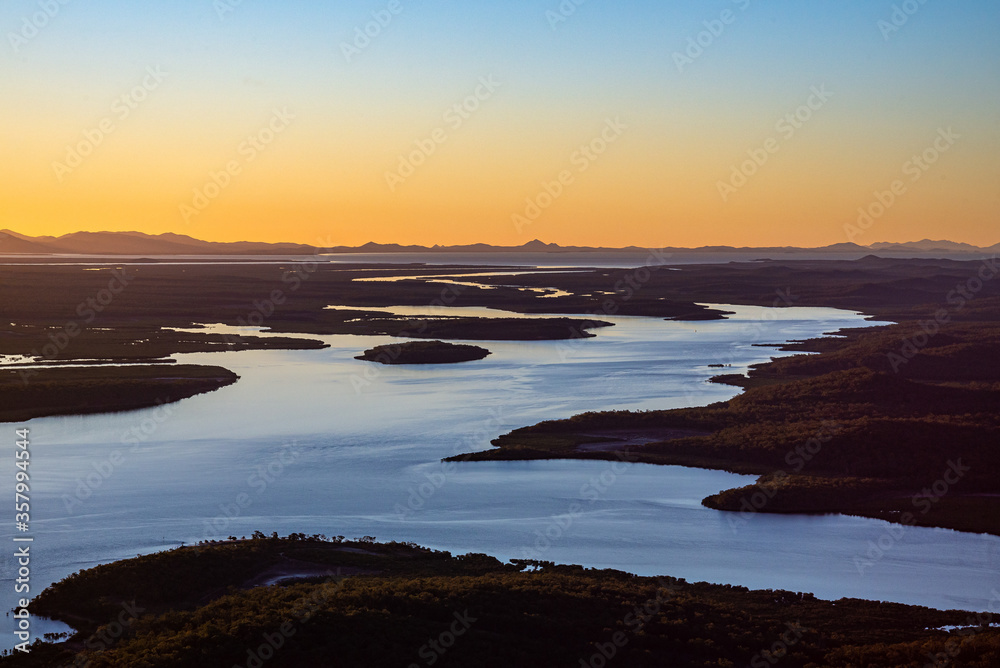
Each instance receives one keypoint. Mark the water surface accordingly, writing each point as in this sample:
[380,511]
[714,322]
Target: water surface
[319,442]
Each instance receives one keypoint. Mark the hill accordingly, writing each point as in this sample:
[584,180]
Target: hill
[400,604]
[138,243]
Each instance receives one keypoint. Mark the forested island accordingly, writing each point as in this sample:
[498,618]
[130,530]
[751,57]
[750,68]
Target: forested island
[423,352]
[45,391]
[396,604]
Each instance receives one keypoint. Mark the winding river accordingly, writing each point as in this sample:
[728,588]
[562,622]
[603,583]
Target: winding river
[318,442]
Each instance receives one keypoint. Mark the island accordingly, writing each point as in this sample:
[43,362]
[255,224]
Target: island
[34,392]
[423,352]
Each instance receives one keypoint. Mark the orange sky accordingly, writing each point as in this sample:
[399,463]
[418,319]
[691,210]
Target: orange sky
[330,134]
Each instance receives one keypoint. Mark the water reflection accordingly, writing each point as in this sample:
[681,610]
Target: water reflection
[318,442]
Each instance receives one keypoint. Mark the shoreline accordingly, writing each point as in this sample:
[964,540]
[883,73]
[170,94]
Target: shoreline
[966,333]
[793,484]
[390,581]
[97,389]
[773,377]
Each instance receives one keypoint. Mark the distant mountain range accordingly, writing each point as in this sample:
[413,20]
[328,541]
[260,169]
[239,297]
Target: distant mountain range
[137,243]
[928,245]
[537,246]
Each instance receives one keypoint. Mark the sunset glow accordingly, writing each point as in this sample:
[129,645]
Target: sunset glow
[594,123]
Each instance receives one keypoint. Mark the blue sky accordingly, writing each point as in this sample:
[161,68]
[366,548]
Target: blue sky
[228,69]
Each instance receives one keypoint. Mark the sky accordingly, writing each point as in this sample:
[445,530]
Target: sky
[578,122]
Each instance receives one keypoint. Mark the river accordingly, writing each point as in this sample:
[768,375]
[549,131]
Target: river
[318,442]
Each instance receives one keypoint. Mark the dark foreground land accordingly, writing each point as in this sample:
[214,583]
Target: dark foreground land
[423,352]
[402,605]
